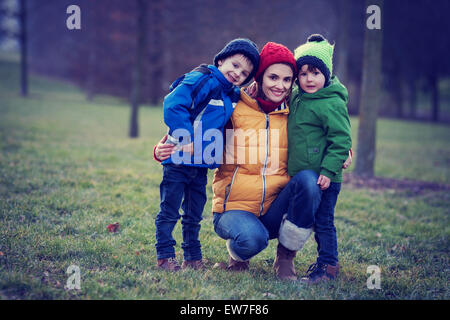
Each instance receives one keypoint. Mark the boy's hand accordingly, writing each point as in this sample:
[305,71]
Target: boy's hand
[324,182]
[252,89]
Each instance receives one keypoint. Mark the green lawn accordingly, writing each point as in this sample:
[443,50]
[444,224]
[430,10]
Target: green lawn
[67,170]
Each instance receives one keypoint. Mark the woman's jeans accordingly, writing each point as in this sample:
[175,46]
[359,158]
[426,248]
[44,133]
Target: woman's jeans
[304,204]
[181,182]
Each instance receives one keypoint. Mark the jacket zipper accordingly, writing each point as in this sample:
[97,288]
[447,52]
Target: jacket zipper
[227,194]
[265,165]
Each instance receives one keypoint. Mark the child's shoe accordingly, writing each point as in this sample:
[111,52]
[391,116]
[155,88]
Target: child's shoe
[194,264]
[169,264]
[318,272]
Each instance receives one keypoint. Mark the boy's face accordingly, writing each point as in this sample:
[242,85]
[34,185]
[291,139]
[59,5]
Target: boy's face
[235,68]
[310,79]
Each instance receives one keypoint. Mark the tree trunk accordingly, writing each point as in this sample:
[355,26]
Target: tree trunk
[92,62]
[412,98]
[344,9]
[156,52]
[23,50]
[434,97]
[370,97]
[138,66]
[398,93]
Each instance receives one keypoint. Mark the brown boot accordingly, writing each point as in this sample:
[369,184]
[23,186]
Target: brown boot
[169,264]
[193,264]
[284,263]
[233,265]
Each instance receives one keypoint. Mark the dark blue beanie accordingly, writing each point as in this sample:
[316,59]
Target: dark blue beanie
[245,46]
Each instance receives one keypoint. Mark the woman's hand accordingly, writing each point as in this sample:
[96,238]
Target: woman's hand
[252,89]
[162,150]
[349,160]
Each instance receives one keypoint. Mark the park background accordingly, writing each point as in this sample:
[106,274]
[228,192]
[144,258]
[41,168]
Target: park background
[80,111]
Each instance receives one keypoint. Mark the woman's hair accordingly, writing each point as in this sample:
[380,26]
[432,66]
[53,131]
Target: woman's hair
[259,81]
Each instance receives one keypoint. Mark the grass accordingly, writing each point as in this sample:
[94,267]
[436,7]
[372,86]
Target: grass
[67,170]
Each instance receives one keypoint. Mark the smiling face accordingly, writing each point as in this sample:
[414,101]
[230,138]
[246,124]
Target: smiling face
[277,82]
[310,79]
[235,68]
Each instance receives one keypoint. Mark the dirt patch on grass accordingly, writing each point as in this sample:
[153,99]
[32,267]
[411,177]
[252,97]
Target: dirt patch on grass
[382,183]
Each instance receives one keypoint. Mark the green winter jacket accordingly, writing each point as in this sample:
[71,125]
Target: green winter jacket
[319,136]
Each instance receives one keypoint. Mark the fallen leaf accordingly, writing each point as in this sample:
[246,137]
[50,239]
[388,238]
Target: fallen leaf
[113,227]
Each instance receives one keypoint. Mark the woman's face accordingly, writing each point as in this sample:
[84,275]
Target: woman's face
[277,82]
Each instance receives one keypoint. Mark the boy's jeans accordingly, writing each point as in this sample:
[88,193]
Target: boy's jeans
[305,205]
[181,181]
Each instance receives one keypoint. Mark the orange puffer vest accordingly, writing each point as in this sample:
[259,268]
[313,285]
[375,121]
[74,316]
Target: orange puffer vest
[254,170]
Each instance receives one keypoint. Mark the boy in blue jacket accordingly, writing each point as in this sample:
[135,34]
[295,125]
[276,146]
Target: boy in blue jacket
[201,101]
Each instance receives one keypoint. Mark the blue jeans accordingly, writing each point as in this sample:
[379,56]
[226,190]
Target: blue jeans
[181,182]
[305,205]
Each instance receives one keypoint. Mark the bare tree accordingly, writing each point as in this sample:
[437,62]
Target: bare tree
[371,85]
[138,66]
[342,56]
[23,49]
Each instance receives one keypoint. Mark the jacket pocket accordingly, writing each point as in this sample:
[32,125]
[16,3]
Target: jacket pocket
[313,154]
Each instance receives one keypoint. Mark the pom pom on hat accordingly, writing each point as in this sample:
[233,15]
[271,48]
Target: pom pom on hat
[315,38]
[273,53]
[317,52]
[244,46]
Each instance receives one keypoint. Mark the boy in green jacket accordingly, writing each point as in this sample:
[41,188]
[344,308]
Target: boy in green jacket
[319,143]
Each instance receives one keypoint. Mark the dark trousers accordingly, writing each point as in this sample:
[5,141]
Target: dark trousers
[307,206]
[185,187]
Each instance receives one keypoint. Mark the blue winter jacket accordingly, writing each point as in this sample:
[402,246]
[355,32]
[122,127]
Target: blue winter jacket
[200,121]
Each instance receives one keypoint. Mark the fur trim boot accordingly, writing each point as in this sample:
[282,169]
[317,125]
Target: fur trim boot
[293,237]
[284,263]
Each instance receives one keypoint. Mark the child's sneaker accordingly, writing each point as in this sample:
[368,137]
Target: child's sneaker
[169,264]
[318,272]
[193,264]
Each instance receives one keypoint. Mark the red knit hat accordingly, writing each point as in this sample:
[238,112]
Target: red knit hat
[273,53]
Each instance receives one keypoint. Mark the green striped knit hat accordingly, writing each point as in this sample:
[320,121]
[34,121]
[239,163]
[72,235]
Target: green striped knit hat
[317,52]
